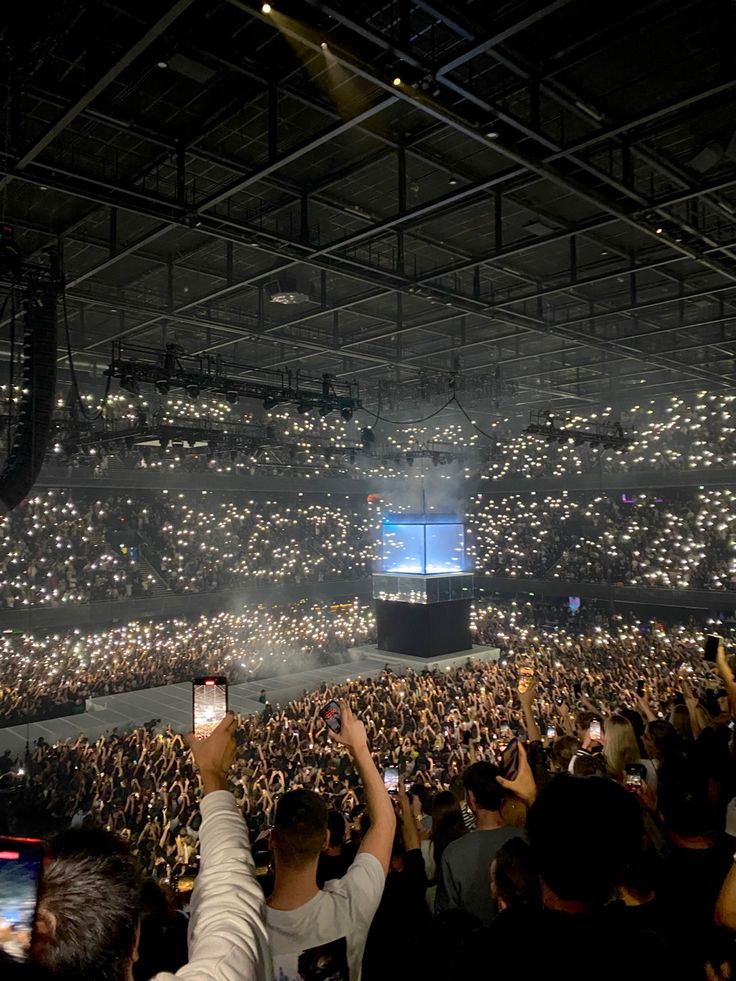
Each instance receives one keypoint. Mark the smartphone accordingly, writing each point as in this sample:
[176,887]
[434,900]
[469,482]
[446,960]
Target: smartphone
[551,732]
[595,730]
[21,864]
[635,775]
[712,643]
[209,704]
[331,715]
[640,688]
[391,779]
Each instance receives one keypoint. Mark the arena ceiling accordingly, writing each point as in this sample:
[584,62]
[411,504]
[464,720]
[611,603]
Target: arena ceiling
[541,192]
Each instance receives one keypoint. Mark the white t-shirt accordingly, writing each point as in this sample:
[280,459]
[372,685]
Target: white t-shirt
[330,929]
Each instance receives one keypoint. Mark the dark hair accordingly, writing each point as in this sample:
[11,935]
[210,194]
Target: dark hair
[90,906]
[685,815]
[514,876]
[589,765]
[583,832]
[336,827]
[563,749]
[480,780]
[420,791]
[447,823]
[299,827]
[457,788]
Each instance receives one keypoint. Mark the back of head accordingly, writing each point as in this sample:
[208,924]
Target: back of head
[563,749]
[89,908]
[621,745]
[299,828]
[589,765]
[583,832]
[680,721]
[447,822]
[515,880]
[685,815]
[664,741]
[457,788]
[480,781]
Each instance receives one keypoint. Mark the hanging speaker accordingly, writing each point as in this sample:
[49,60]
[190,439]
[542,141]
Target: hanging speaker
[33,421]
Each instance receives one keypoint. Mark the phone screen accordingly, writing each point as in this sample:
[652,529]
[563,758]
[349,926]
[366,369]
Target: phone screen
[712,643]
[632,781]
[595,729]
[640,688]
[391,779]
[331,715]
[209,699]
[551,732]
[21,863]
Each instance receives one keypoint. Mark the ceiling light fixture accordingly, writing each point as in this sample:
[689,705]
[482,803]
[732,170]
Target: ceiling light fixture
[397,82]
[162,64]
[324,45]
[266,8]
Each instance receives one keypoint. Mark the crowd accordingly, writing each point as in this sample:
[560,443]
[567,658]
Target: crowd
[682,542]
[260,542]
[631,851]
[54,676]
[56,550]
[63,547]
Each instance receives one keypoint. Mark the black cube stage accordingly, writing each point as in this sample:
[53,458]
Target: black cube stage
[423,631]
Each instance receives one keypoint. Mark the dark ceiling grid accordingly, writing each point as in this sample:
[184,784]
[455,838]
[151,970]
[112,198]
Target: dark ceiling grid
[492,109]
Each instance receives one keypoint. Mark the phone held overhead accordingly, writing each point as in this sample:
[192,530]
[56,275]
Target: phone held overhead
[209,704]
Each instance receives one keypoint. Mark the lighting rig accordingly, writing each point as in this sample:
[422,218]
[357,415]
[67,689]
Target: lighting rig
[603,435]
[433,388]
[170,369]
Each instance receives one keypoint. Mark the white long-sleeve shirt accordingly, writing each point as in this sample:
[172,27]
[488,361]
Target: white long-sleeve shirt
[227,934]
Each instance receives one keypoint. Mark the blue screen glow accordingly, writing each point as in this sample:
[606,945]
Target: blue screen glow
[422,548]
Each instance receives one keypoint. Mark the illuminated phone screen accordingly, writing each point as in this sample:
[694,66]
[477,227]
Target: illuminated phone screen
[21,863]
[209,697]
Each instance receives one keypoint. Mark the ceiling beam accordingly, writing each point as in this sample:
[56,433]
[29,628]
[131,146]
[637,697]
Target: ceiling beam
[152,34]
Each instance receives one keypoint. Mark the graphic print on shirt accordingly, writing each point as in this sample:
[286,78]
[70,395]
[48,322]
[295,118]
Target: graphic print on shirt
[328,962]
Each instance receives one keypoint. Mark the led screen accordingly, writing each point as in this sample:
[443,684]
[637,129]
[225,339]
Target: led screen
[403,548]
[445,548]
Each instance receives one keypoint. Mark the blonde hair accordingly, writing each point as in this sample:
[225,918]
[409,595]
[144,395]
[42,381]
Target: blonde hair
[680,719]
[621,746]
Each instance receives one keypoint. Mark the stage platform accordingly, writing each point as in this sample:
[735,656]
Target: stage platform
[441,662]
[173,703]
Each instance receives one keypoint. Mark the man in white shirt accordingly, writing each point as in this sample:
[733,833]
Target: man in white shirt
[316,933]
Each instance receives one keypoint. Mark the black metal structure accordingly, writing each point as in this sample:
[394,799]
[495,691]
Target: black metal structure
[542,192]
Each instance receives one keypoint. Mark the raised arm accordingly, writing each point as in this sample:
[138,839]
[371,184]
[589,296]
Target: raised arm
[227,935]
[379,839]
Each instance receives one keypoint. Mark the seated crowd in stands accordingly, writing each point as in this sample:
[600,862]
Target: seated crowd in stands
[683,541]
[64,547]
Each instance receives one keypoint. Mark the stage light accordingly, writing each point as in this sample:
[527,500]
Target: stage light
[397,82]
[193,391]
[367,436]
[266,8]
[270,402]
[659,231]
[303,407]
[324,45]
[162,386]
[162,64]
[231,396]
[325,410]
[346,413]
